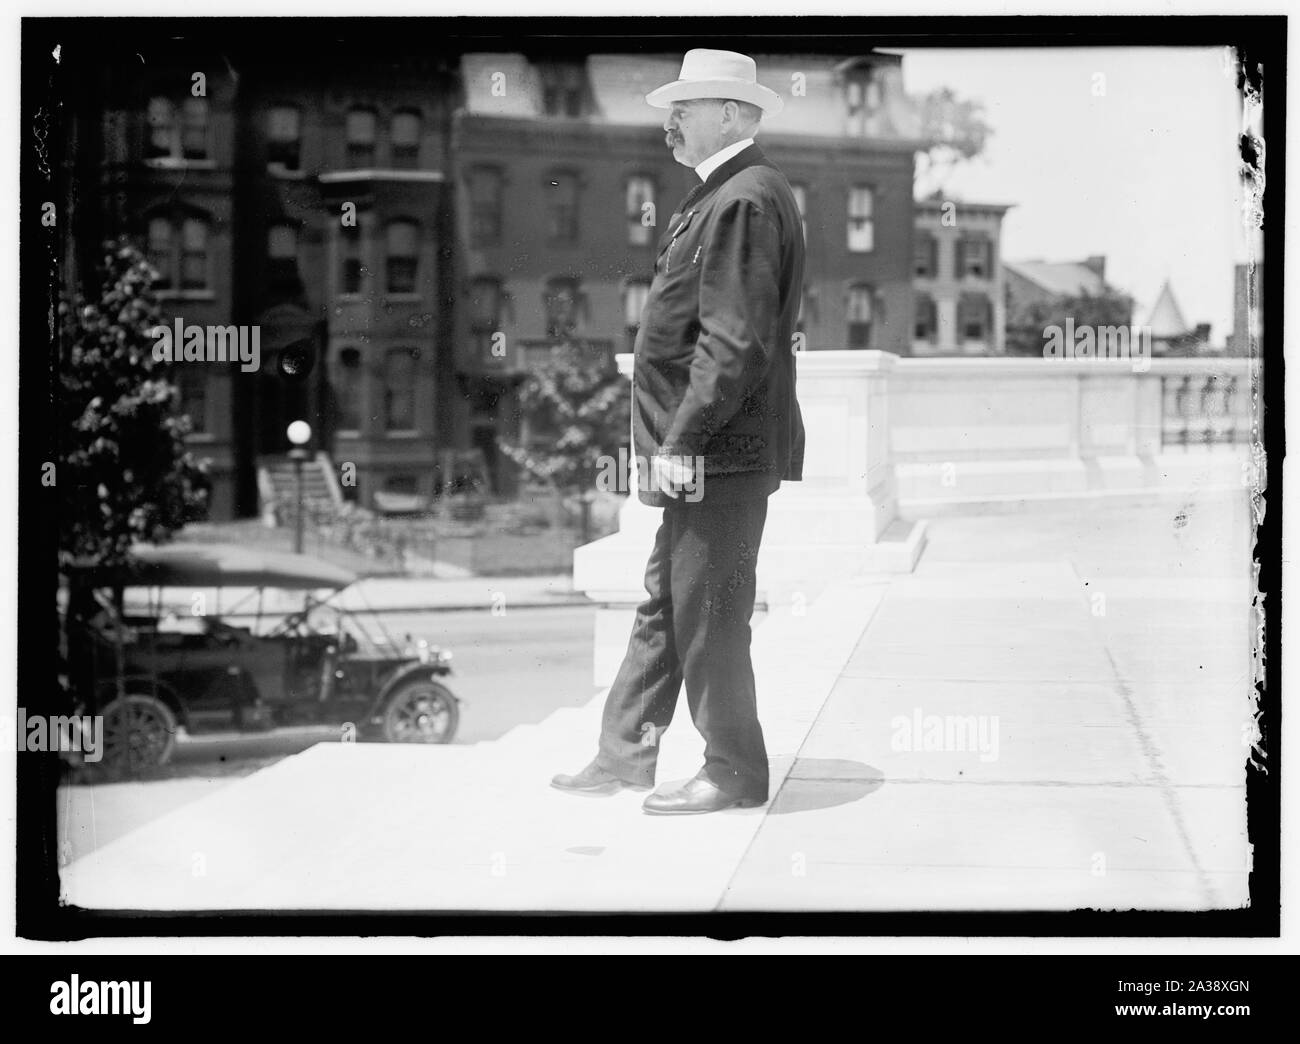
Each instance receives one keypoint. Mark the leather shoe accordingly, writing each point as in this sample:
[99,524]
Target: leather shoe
[594,780]
[695,796]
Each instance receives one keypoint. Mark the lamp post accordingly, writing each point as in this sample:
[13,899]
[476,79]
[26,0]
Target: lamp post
[299,433]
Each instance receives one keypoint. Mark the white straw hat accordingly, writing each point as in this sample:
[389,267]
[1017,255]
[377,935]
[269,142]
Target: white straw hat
[716,74]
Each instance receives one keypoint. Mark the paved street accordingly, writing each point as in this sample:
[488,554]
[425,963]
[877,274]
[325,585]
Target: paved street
[510,669]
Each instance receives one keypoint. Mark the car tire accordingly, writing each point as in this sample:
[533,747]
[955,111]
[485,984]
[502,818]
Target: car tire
[420,712]
[139,734]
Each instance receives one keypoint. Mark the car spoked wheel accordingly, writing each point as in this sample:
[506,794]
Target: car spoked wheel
[139,733]
[421,712]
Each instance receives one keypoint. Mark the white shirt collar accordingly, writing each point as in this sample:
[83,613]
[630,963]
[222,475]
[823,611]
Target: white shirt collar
[720,157]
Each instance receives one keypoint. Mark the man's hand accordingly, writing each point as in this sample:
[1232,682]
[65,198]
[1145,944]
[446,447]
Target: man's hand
[671,474]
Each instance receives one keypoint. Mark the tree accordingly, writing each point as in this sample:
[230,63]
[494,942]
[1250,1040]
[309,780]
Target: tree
[123,473]
[1027,322]
[952,131]
[576,409]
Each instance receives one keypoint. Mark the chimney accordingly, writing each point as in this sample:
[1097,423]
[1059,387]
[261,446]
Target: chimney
[1097,263]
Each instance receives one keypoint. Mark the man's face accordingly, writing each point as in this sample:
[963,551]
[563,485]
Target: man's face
[694,130]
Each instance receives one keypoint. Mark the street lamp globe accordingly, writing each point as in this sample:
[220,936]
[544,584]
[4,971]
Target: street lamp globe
[299,433]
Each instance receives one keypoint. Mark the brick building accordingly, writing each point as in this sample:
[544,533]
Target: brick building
[409,234]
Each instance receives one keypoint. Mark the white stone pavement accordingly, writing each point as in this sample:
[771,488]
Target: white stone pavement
[1111,774]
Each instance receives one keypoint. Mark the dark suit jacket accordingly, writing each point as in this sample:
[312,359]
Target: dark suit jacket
[714,371]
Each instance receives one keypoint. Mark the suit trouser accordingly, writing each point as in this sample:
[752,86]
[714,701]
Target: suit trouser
[694,627]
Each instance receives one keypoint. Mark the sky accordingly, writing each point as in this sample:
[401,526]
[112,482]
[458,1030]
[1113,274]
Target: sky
[1144,173]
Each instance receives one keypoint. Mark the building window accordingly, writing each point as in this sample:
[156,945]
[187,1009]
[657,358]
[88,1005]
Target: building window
[193,387]
[352,270]
[861,313]
[565,306]
[640,210]
[403,257]
[161,253]
[485,317]
[194,254]
[399,389]
[800,191]
[282,254]
[179,251]
[562,84]
[862,230]
[405,138]
[194,129]
[485,206]
[362,127]
[162,128]
[925,256]
[862,99]
[974,257]
[282,243]
[283,138]
[562,207]
[404,484]
[927,320]
[173,137]
[974,317]
[348,391]
[635,293]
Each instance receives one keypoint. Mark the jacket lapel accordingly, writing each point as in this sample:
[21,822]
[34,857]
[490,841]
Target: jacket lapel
[748,157]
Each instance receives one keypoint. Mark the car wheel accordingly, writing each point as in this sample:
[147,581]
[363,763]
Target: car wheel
[421,712]
[139,733]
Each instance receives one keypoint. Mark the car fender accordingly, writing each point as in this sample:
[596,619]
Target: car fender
[106,693]
[436,672]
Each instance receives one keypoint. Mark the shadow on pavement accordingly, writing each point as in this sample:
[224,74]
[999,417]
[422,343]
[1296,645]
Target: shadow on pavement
[816,783]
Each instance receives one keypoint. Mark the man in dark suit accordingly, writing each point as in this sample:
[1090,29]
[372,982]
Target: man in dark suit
[714,413]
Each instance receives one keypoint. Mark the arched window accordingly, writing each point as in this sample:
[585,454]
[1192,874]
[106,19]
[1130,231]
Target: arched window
[402,239]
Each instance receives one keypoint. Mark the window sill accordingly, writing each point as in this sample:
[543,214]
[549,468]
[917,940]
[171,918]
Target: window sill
[348,433]
[173,163]
[402,433]
[279,170]
[403,298]
[185,295]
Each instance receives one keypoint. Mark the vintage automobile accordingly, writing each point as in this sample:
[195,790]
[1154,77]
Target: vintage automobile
[155,665]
